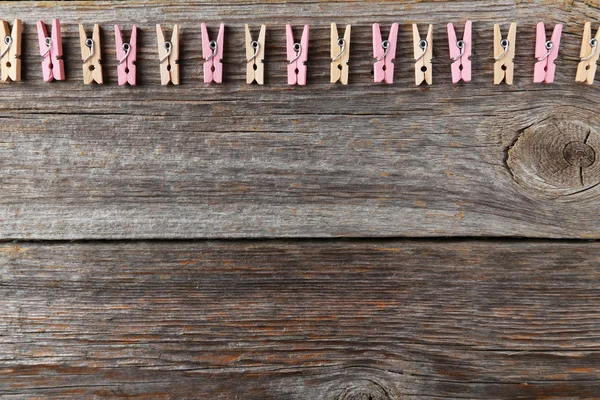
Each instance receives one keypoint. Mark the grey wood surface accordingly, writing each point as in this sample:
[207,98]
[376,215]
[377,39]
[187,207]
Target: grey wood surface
[115,315]
[232,160]
[392,319]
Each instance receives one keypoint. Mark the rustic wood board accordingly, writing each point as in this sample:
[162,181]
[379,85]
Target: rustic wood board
[394,319]
[232,160]
[311,319]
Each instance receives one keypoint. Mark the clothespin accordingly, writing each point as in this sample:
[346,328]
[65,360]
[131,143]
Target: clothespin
[384,52]
[297,55]
[168,56]
[53,66]
[340,54]
[423,54]
[546,51]
[460,53]
[10,51]
[127,56]
[212,51]
[91,55]
[504,54]
[255,56]
[586,71]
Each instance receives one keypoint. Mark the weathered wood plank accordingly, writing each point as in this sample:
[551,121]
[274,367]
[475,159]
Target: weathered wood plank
[300,320]
[232,160]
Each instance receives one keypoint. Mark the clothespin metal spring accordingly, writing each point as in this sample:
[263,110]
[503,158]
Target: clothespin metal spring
[168,46]
[423,45]
[126,48]
[549,46]
[298,50]
[505,44]
[385,45]
[213,46]
[461,46]
[90,44]
[594,46]
[342,43]
[256,46]
[8,41]
[48,42]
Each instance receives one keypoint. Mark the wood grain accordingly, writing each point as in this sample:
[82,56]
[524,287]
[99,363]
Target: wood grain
[557,157]
[393,319]
[376,319]
[234,160]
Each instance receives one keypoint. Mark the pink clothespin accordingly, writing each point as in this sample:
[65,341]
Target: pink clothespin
[460,53]
[126,54]
[384,52]
[212,51]
[53,65]
[297,55]
[546,52]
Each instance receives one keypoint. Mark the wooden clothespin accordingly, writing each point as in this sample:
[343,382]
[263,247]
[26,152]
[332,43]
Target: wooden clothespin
[168,56]
[10,51]
[546,51]
[460,53]
[53,66]
[504,55]
[586,71]
[212,52]
[127,56]
[340,54]
[423,54]
[91,55]
[297,55]
[255,56]
[384,52]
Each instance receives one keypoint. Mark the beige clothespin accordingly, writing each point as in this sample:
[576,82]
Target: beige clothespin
[91,55]
[168,56]
[340,54]
[504,54]
[255,56]
[586,71]
[10,50]
[423,50]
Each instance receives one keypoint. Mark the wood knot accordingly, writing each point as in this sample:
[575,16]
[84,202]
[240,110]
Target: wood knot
[579,154]
[365,391]
[556,157]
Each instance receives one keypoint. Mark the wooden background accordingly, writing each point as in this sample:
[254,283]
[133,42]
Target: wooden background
[321,242]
